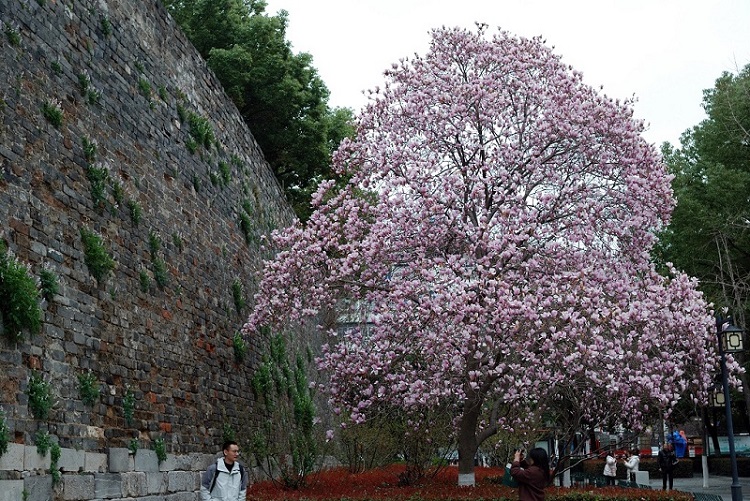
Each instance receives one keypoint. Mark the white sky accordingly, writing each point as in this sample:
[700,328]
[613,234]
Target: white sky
[665,52]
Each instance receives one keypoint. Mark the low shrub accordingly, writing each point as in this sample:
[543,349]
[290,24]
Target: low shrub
[382,484]
[723,466]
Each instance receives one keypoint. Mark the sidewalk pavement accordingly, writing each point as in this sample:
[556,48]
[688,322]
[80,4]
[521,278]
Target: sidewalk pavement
[716,485]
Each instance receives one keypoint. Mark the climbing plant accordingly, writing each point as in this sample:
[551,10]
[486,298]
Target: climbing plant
[19,298]
[286,441]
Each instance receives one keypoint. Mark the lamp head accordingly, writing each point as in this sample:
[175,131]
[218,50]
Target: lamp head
[732,339]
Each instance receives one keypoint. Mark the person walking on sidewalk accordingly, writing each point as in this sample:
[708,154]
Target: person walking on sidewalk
[226,479]
[667,461]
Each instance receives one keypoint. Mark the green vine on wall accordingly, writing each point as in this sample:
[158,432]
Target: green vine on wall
[12,33]
[136,213]
[161,449]
[201,131]
[96,257]
[286,441]
[39,392]
[48,282]
[240,347]
[19,298]
[88,388]
[128,406]
[43,443]
[238,295]
[4,434]
[98,175]
[53,112]
[246,222]
[55,453]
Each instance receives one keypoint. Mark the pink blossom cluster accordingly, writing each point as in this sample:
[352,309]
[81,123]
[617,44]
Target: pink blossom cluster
[490,249]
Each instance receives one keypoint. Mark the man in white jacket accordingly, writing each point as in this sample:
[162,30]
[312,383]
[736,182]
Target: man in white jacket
[225,480]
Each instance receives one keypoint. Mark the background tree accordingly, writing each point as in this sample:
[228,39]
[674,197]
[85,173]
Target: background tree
[493,239]
[709,235]
[279,93]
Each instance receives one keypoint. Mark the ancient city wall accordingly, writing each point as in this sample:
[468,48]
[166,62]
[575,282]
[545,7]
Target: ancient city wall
[111,125]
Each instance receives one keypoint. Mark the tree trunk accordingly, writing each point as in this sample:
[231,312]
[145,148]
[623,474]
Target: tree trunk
[712,432]
[467,450]
[745,394]
[467,445]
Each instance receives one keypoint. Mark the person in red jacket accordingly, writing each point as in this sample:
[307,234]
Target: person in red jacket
[531,473]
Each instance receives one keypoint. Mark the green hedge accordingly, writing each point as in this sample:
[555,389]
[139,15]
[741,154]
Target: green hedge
[723,466]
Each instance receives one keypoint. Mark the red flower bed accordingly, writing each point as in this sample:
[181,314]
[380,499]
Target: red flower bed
[381,484]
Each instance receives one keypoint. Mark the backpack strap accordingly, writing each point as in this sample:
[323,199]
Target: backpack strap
[243,477]
[213,482]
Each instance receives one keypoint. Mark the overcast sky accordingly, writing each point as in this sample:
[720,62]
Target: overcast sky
[663,52]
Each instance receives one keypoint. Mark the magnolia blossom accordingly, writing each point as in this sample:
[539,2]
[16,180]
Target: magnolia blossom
[489,252]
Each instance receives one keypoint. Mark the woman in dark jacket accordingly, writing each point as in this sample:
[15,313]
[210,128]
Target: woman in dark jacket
[532,474]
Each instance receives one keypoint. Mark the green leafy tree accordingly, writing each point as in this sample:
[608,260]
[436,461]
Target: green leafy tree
[279,93]
[709,234]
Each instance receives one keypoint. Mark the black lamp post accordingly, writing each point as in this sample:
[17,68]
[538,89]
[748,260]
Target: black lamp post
[731,340]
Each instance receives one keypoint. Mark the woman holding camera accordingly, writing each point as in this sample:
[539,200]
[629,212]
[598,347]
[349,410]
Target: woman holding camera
[531,473]
[631,462]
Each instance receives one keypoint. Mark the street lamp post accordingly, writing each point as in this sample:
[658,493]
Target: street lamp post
[731,340]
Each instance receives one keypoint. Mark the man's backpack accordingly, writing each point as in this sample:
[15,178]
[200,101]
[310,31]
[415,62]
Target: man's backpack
[216,475]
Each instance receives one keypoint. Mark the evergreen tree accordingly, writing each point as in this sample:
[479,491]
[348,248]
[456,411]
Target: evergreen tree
[279,93]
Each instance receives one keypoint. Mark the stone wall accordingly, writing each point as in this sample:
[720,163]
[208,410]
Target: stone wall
[152,156]
[115,475]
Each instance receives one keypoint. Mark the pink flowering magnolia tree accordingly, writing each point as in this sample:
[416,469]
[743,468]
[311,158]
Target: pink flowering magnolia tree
[489,252]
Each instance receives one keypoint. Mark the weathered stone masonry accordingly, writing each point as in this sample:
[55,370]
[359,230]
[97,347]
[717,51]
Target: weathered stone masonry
[127,79]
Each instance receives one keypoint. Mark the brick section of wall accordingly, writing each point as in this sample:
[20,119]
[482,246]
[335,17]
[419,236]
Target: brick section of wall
[126,77]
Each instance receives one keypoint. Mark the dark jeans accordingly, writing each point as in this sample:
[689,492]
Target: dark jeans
[610,480]
[667,476]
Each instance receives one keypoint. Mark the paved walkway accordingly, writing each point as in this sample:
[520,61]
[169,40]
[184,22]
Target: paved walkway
[716,485]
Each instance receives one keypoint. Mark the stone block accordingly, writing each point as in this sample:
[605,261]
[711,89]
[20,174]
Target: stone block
[156,483]
[134,484]
[71,460]
[120,460]
[180,481]
[182,496]
[32,460]
[38,487]
[168,464]
[146,460]
[95,462]
[193,462]
[78,487]
[641,477]
[11,490]
[13,458]
[107,485]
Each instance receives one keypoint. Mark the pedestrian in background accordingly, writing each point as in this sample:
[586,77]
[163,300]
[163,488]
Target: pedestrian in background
[667,461]
[631,462]
[610,468]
